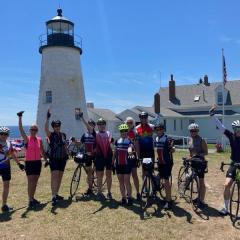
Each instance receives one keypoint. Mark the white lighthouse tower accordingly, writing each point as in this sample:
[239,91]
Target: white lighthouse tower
[61,85]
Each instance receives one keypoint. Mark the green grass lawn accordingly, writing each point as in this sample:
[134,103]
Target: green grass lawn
[90,219]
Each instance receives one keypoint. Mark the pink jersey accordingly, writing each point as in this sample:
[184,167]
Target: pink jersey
[103,140]
[33,149]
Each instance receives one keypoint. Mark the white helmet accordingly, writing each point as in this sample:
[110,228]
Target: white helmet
[193,126]
[236,124]
[129,119]
[4,130]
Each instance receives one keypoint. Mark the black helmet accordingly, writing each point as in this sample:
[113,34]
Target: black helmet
[91,122]
[143,115]
[159,125]
[56,123]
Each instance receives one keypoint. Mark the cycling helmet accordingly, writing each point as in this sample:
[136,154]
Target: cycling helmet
[143,115]
[123,127]
[193,126]
[159,125]
[4,130]
[235,124]
[56,123]
[101,121]
[91,122]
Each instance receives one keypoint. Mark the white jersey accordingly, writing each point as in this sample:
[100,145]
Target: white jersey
[5,149]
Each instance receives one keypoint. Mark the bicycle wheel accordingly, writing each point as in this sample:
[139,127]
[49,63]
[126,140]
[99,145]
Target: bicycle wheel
[75,181]
[94,178]
[146,192]
[184,183]
[234,202]
[194,192]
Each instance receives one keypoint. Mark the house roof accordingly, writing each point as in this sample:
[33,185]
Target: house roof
[185,95]
[104,113]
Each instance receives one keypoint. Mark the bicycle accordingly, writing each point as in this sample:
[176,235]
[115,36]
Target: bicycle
[152,183]
[235,192]
[81,159]
[188,180]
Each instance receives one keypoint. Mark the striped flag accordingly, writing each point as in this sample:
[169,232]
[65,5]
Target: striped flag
[224,70]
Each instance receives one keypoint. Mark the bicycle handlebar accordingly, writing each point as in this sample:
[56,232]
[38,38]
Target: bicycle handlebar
[228,164]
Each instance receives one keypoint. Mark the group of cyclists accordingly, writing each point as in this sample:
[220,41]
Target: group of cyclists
[134,144]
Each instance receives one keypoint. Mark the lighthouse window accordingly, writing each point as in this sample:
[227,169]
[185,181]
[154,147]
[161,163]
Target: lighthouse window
[48,96]
[77,113]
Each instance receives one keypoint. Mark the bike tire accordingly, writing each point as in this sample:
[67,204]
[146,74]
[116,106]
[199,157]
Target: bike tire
[75,181]
[194,192]
[146,190]
[234,202]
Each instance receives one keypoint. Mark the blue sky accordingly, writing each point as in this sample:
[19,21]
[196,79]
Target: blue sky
[126,44]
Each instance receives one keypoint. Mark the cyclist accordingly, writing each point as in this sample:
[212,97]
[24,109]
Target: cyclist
[58,156]
[33,164]
[103,158]
[88,139]
[164,147]
[134,162]
[6,151]
[72,147]
[234,139]
[144,138]
[122,156]
[198,149]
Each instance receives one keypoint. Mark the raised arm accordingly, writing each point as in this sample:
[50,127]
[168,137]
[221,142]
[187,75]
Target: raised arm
[20,126]
[48,133]
[88,126]
[216,121]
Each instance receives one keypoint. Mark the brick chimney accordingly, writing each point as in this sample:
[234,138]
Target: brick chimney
[172,89]
[157,103]
[205,80]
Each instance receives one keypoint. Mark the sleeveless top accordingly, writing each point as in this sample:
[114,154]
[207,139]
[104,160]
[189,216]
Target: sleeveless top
[103,144]
[195,146]
[121,149]
[33,149]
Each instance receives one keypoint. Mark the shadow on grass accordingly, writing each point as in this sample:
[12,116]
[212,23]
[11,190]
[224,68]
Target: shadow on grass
[6,216]
[37,208]
[61,204]
[206,212]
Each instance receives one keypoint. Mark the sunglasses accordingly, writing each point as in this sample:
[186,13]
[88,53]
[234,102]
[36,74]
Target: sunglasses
[33,129]
[123,131]
[57,126]
[193,131]
[101,124]
[4,134]
[129,122]
[159,129]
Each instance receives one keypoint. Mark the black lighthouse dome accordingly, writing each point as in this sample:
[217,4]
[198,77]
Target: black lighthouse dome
[60,32]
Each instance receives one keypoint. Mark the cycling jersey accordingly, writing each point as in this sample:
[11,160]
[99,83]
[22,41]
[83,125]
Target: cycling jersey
[103,143]
[89,141]
[5,150]
[33,149]
[233,139]
[144,136]
[132,134]
[121,149]
[163,145]
[195,146]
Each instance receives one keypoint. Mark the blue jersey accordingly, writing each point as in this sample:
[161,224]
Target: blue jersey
[121,149]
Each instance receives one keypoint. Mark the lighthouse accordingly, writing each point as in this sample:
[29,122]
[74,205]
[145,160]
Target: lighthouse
[61,84]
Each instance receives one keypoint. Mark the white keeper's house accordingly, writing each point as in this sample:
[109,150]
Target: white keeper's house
[185,104]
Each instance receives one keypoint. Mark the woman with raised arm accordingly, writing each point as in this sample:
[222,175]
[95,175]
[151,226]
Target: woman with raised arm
[33,164]
[6,152]
[234,139]
[58,156]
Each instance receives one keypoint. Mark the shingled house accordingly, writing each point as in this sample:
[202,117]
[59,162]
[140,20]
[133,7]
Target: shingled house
[182,105]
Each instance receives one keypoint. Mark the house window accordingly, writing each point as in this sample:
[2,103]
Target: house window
[77,113]
[197,98]
[48,96]
[175,125]
[181,124]
[219,98]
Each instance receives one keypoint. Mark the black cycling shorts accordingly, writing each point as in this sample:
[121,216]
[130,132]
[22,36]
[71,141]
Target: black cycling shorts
[57,164]
[231,172]
[103,163]
[89,161]
[33,167]
[133,162]
[6,174]
[165,170]
[123,169]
